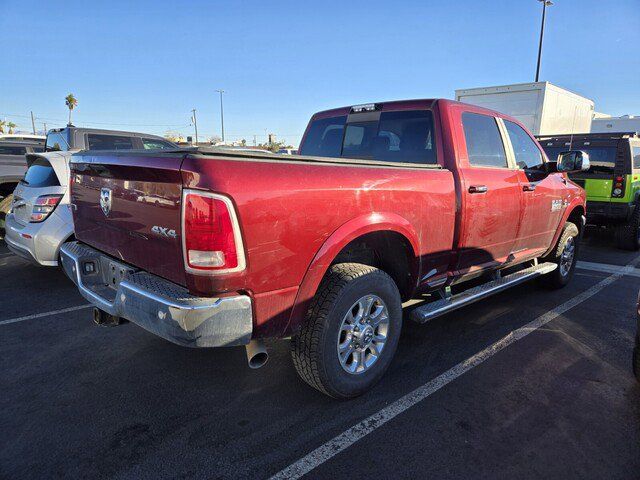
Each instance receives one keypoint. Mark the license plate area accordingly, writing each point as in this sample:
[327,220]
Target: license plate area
[115,272]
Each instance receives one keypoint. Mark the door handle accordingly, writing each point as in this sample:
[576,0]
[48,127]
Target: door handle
[478,189]
[529,187]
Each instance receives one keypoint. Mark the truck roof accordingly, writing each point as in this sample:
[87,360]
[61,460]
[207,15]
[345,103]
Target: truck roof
[107,132]
[587,136]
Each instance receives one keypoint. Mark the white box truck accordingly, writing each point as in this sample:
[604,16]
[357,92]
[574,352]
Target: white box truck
[544,108]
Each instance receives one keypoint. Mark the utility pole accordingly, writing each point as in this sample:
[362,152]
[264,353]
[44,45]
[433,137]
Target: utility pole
[545,3]
[254,140]
[195,124]
[45,128]
[221,113]
[33,124]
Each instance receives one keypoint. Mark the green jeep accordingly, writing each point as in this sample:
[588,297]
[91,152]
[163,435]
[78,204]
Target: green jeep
[612,183]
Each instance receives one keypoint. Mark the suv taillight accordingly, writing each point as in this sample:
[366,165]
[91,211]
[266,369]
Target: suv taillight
[43,206]
[618,187]
[211,235]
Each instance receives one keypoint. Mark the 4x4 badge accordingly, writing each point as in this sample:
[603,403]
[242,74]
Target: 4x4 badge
[105,201]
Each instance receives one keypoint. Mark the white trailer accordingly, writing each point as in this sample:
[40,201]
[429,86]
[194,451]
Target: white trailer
[544,108]
[625,123]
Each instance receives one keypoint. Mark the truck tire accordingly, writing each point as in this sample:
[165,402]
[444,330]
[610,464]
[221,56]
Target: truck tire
[565,255]
[628,235]
[351,331]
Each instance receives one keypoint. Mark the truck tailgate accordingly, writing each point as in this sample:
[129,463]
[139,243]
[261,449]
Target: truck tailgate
[128,206]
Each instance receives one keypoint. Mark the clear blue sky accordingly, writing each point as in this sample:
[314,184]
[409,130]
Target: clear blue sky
[149,63]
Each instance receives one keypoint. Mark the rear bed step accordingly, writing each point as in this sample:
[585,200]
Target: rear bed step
[434,309]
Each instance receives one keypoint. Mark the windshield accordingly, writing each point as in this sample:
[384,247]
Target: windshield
[601,159]
[57,141]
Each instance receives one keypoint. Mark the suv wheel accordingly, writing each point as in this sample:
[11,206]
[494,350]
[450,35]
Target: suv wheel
[628,235]
[351,331]
[565,255]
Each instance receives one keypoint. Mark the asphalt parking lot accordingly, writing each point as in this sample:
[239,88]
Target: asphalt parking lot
[464,397]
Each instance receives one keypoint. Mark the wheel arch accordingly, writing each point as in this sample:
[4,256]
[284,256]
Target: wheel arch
[374,231]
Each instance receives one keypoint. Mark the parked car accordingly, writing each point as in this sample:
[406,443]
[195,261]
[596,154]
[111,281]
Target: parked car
[22,137]
[39,220]
[612,183]
[288,151]
[385,202]
[13,165]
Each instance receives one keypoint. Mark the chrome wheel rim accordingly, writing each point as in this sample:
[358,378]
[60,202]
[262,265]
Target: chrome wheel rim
[566,259]
[363,334]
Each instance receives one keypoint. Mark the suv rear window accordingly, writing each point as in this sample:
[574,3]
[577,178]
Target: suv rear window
[108,142]
[41,174]
[405,136]
[602,159]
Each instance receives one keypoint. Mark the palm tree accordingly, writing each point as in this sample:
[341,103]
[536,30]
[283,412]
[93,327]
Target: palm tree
[11,126]
[2,124]
[71,102]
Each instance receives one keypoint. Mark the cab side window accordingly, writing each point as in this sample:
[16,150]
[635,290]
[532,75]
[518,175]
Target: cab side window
[527,153]
[484,142]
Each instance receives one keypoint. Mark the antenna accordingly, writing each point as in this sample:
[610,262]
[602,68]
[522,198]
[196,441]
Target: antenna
[573,126]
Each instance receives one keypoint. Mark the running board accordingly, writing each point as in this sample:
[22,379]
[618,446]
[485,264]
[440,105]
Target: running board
[434,309]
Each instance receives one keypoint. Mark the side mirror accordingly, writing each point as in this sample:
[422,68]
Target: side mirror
[573,161]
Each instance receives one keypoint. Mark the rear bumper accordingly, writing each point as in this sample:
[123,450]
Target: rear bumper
[39,242]
[157,305]
[605,213]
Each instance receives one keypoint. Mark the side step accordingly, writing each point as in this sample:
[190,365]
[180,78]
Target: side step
[434,309]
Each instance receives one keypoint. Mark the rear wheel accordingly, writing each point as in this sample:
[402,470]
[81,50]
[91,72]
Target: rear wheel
[628,235]
[351,331]
[565,255]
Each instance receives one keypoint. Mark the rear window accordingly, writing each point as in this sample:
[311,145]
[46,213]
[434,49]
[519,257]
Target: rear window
[41,174]
[108,142]
[484,142]
[398,136]
[324,137]
[9,150]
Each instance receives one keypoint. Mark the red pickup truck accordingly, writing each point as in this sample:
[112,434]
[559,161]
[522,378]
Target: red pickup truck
[385,202]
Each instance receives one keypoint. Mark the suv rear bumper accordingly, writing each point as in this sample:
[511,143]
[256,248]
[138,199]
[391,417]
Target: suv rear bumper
[155,304]
[606,213]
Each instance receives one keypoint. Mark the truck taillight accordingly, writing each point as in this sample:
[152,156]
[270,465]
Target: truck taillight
[211,235]
[618,186]
[43,206]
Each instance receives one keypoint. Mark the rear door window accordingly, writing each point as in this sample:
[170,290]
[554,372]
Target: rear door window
[41,174]
[97,141]
[484,142]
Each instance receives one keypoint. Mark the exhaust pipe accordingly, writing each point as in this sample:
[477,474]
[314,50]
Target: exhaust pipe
[103,319]
[257,354]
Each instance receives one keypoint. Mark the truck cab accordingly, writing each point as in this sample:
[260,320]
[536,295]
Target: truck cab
[612,182]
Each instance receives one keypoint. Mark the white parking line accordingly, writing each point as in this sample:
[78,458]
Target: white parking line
[347,438]
[45,314]
[606,268]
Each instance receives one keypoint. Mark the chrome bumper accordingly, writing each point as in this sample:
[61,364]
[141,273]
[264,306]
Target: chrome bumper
[155,304]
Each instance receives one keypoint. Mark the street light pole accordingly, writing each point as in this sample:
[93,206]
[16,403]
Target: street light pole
[545,3]
[195,124]
[221,113]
